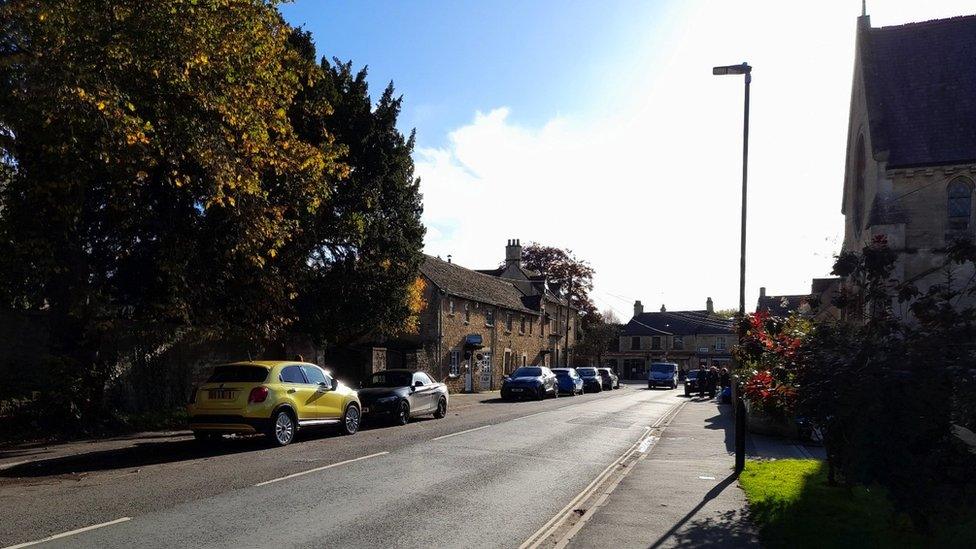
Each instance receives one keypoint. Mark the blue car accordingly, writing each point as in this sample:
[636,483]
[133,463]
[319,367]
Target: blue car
[569,381]
[530,382]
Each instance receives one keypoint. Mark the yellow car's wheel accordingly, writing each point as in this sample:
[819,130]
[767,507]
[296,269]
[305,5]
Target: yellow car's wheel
[283,428]
[349,423]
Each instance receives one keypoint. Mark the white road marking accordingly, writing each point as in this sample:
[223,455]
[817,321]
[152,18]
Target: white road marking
[71,533]
[460,433]
[531,415]
[286,477]
[645,444]
[706,477]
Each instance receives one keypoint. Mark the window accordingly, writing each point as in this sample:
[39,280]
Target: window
[467,313]
[678,343]
[508,321]
[635,343]
[720,343]
[292,374]
[531,325]
[489,317]
[656,343]
[522,324]
[524,360]
[960,204]
[455,364]
[450,307]
[421,377]
[316,375]
[860,163]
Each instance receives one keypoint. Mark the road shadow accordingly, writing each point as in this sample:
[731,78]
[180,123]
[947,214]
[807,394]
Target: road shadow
[727,529]
[725,422]
[143,454]
[700,535]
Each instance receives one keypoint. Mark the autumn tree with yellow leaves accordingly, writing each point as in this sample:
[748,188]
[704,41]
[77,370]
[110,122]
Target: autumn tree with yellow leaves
[153,183]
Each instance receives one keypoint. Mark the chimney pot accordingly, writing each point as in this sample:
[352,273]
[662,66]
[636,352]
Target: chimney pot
[762,291]
[709,305]
[663,308]
[638,308]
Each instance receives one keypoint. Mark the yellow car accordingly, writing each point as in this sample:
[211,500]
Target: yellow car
[276,398]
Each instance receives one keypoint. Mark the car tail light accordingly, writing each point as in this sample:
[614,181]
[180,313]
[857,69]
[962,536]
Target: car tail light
[258,394]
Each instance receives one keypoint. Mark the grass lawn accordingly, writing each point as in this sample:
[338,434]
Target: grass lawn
[793,506]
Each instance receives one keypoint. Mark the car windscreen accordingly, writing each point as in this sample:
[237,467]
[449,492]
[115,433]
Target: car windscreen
[235,373]
[662,368]
[692,374]
[527,372]
[389,379]
[587,372]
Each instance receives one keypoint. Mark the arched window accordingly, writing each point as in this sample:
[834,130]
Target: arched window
[960,204]
[860,163]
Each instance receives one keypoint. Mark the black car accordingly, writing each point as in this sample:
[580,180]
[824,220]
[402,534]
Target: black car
[530,382]
[691,382]
[592,381]
[402,394]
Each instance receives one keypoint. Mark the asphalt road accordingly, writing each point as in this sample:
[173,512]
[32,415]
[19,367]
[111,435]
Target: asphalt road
[488,475]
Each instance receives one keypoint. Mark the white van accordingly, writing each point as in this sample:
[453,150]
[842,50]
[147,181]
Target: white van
[662,374]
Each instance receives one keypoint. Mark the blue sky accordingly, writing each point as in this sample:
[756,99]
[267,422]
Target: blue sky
[451,59]
[597,126]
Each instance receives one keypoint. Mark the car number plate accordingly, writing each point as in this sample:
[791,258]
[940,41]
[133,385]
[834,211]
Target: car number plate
[221,394]
[516,390]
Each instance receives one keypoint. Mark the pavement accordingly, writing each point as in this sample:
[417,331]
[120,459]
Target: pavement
[625,468]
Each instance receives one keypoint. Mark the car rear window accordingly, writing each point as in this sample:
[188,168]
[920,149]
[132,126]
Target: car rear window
[233,373]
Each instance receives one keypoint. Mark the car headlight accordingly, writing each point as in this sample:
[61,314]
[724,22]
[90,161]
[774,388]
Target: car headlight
[386,399]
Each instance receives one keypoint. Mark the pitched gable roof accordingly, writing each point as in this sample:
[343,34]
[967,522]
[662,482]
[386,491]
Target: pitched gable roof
[782,305]
[469,284]
[920,81]
[677,323]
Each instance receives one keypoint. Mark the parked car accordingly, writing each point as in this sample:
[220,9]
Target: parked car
[276,398]
[530,382]
[592,381]
[399,395]
[568,381]
[662,374]
[691,382]
[610,379]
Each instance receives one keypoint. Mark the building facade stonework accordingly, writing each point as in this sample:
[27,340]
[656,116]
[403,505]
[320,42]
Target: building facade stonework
[480,325]
[687,338]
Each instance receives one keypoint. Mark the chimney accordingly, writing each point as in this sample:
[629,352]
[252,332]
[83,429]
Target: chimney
[638,308]
[449,256]
[762,292]
[513,253]
[709,306]
[663,308]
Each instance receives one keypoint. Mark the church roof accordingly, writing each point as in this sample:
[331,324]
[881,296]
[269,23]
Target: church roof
[920,80]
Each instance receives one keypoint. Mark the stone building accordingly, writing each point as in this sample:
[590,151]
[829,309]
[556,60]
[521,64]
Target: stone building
[479,325]
[688,338]
[911,144]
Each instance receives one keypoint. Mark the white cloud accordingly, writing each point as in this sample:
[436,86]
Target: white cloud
[650,193]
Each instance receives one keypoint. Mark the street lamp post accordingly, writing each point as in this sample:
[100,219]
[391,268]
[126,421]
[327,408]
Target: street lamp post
[740,416]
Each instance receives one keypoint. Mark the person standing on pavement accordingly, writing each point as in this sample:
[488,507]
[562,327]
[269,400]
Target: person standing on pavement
[725,379]
[712,381]
[702,380]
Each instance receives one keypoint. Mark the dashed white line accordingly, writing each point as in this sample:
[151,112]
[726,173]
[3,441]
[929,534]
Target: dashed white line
[70,533]
[460,432]
[293,475]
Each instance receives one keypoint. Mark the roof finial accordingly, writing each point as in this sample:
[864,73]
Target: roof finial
[864,7]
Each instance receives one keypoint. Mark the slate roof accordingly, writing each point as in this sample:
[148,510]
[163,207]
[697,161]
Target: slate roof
[781,305]
[677,323]
[469,284]
[920,80]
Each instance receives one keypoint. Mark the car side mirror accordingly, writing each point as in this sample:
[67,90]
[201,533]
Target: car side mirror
[335,384]
[418,384]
